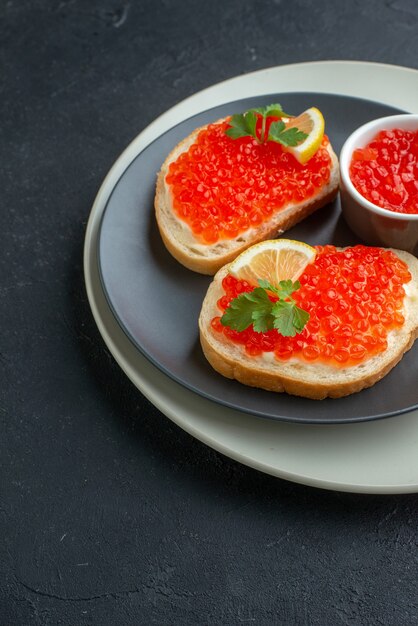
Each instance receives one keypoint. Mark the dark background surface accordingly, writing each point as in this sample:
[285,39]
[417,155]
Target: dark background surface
[109,514]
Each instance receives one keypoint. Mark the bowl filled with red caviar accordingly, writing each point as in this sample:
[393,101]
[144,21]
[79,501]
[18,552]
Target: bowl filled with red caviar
[379,182]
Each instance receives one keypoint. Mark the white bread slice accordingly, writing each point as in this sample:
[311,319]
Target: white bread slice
[297,377]
[209,258]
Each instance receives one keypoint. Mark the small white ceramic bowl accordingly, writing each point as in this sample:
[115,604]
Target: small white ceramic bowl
[374,225]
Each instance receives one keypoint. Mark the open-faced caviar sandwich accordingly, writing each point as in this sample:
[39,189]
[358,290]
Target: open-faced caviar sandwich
[315,322]
[242,180]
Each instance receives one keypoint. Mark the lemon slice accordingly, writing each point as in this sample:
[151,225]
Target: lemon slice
[312,123]
[273,260]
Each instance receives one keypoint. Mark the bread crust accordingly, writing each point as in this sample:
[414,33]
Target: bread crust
[299,378]
[208,259]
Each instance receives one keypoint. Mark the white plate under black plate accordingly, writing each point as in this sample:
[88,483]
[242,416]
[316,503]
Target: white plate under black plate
[157,301]
[378,456]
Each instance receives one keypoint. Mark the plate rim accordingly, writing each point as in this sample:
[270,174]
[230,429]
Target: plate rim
[141,384]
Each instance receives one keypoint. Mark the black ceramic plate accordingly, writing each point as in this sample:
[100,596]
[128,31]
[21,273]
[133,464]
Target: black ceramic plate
[157,301]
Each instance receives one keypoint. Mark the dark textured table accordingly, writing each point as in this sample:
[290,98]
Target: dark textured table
[109,513]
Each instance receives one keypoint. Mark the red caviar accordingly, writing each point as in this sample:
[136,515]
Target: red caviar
[354,298]
[221,187]
[385,172]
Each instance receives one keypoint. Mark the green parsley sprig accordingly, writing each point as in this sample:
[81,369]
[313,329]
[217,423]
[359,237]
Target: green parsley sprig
[245,125]
[258,309]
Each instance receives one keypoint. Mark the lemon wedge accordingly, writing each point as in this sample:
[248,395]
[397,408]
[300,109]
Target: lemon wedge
[312,123]
[273,260]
